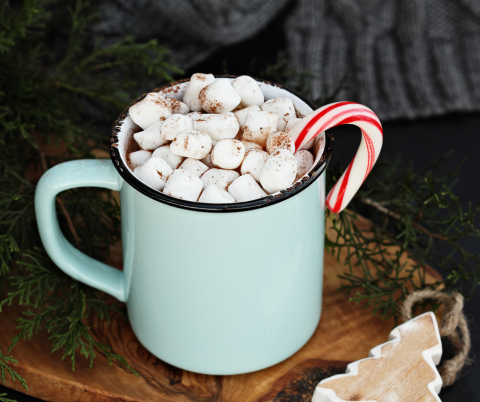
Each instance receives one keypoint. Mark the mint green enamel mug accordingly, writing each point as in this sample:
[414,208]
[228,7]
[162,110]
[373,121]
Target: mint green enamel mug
[211,288]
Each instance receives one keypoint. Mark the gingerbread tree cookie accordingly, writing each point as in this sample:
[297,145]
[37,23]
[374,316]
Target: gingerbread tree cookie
[401,370]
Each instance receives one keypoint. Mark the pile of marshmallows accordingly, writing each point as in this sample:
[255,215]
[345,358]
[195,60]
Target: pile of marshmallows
[237,151]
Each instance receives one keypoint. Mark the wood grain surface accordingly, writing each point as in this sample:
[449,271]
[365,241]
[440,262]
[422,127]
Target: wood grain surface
[346,333]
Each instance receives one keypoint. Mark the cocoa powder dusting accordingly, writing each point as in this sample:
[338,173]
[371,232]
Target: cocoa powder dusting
[173,89]
[280,141]
[160,102]
[213,106]
[175,105]
[209,105]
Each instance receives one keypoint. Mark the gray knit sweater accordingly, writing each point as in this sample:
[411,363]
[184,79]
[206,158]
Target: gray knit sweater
[402,58]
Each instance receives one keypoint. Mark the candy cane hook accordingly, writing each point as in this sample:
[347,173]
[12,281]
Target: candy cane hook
[334,115]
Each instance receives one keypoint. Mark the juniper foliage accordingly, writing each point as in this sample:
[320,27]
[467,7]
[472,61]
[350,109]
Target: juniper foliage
[53,75]
[415,212]
[5,369]
[3,399]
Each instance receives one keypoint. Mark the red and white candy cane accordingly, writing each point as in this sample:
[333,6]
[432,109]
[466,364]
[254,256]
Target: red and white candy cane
[334,115]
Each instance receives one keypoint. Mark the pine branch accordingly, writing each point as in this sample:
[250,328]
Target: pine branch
[21,24]
[6,369]
[8,247]
[47,96]
[60,305]
[387,212]
[2,399]
[421,217]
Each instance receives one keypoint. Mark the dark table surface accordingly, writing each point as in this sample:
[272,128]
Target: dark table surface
[421,141]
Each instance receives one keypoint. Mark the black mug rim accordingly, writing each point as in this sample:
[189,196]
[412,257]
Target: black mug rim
[276,198]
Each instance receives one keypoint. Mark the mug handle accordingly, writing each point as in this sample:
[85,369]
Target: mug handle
[67,175]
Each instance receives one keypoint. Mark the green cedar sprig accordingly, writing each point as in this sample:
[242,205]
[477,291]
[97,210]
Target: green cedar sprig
[60,305]
[2,399]
[416,212]
[53,76]
[6,369]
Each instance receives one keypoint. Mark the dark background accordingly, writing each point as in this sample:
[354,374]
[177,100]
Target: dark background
[421,141]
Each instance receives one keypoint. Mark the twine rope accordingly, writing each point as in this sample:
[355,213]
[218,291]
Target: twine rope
[454,325]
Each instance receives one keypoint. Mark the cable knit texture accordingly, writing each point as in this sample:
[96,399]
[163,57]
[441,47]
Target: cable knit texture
[412,58]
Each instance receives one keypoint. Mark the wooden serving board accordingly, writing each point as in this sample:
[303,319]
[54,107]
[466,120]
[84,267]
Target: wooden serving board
[346,333]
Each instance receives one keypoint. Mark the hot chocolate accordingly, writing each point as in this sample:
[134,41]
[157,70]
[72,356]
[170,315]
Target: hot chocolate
[224,143]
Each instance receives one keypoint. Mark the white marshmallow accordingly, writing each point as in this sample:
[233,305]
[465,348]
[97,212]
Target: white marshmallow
[150,139]
[228,154]
[176,124]
[208,161]
[253,163]
[183,185]
[258,125]
[194,166]
[245,188]
[195,115]
[176,106]
[249,91]
[214,194]
[197,83]
[220,177]
[250,145]
[241,114]
[138,158]
[192,144]
[166,154]
[279,171]
[150,110]
[283,108]
[280,140]
[305,162]
[218,126]
[219,97]
[154,172]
